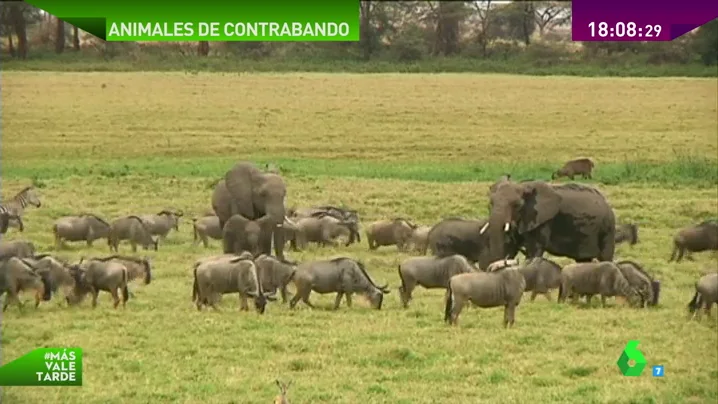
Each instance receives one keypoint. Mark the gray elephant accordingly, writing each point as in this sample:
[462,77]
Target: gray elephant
[706,295]
[242,234]
[466,237]
[570,220]
[248,191]
[698,238]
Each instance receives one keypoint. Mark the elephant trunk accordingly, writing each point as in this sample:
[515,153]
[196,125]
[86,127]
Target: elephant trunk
[498,226]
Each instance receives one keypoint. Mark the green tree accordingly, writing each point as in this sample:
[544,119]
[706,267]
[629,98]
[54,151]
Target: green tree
[705,43]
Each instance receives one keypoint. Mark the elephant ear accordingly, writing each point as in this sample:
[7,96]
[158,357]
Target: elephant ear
[541,204]
[239,181]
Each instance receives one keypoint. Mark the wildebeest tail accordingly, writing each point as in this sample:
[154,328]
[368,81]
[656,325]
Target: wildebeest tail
[695,303]
[449,304]
[125,291]
[401,278]
[195,286]
[656,286]
[634,233]
[194,228]
[561,291]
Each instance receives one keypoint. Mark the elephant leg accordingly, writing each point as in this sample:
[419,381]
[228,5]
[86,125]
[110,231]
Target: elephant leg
[279,242]
[338,300]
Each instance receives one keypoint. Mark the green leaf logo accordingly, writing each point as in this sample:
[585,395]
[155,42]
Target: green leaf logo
[631,352]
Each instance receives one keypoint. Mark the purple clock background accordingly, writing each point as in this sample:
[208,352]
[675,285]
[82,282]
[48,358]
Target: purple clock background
[675,17]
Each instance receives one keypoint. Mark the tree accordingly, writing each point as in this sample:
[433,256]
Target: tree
[705,43]
[448,16]
[514,21]
[484,16]
[203,48]
[75,38]
[549,14]
[59,35]
[17,21]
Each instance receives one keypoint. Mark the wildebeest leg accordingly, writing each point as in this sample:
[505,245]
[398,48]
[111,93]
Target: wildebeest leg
[89,242]
[38,297]
[115,298]
[533,295]
[548,295]
[603,301]
[689,256]
[681,251]
[509,312]
[708,309]
[456,310]
[294,300]
[338,300]
[283,292]
[349,299]
[243,304]
[306,301]
[95,293]
[134,246]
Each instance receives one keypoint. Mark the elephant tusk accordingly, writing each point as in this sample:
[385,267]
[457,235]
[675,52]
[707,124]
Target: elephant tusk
[289,221]
[483,228]
[506,226]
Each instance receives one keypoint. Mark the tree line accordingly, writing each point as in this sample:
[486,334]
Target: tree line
[406,31]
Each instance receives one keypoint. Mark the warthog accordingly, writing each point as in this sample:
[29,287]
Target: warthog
[131,228]
[56,270]
[627,232]
[541,275]
[16,276]
[222,275]
[698,238]
[160,224]
[84,227]
[648,288]
[594,278]
[706,295]
[16,248]
[275,274]
[396,231]
[429,272]
[204,227]
[92,276]
[570,169]
[502,287]
[343,276]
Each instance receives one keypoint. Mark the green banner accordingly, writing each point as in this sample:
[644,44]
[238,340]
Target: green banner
[44,367]
[210,20]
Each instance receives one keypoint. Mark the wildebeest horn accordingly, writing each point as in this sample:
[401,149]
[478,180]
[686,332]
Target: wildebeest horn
[384,287]
[483,228]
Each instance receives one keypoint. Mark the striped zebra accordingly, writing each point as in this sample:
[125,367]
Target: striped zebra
[12,210]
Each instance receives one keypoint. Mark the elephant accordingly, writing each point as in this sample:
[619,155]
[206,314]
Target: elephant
[465,237]
[242,234]
[248,191]
[570,220]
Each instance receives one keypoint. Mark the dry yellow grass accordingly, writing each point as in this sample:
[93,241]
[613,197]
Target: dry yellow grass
[160,349]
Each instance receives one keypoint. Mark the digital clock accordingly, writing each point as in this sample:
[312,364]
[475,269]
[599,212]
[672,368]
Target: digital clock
[624,30]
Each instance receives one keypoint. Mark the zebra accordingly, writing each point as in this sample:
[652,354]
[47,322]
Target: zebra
[11,211]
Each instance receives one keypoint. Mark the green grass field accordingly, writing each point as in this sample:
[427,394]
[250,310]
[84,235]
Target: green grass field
[421,146]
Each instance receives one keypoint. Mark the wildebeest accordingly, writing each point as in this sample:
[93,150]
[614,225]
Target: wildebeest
[570,169]
[342,275]
[16,248]
[648,288]
[136,268]
[706,295]
[131,228]
[344,214]
[275,274]
[55,269]
[161,223]
[594,278]
[223,275]
[541,275]
[698,238]
[627,232]
[84,227]
[92,276]
[204,228]
[430,273]
[17,275]
[420,239]
[503,287]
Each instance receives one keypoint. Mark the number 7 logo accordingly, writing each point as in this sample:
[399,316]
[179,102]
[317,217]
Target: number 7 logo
[658,371]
